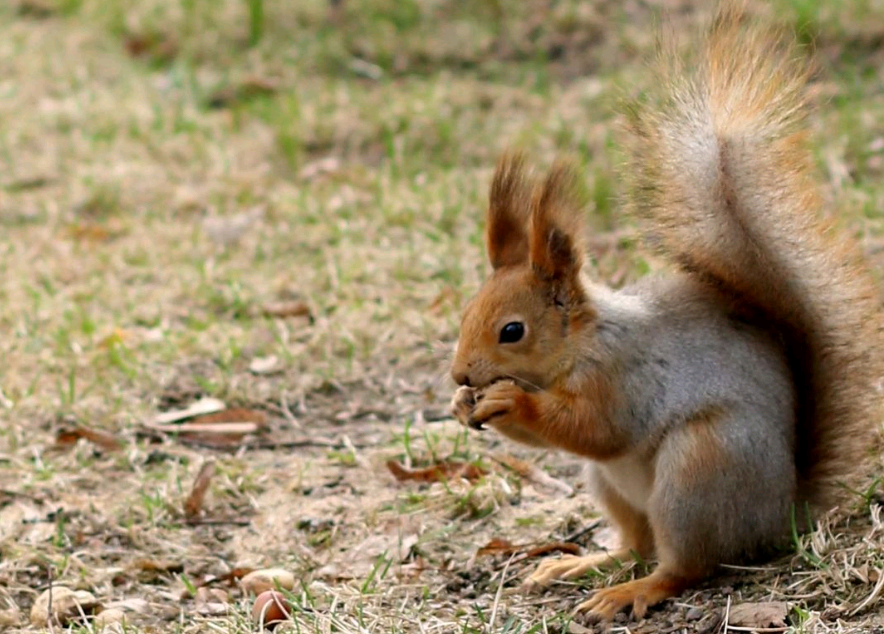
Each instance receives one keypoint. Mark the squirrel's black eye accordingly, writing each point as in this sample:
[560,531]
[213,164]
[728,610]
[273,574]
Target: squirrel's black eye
[512,332]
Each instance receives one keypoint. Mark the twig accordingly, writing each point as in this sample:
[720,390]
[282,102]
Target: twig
[583,532]
[498,594]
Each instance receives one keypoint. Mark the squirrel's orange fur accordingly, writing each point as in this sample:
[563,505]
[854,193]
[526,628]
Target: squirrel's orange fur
[711,402]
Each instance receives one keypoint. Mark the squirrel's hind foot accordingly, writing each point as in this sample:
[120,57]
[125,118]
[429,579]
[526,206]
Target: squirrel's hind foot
[639,594]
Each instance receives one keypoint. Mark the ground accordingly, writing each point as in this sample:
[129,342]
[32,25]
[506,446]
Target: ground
[279,206]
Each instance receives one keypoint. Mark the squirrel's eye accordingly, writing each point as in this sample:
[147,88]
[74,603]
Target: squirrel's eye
[512,332]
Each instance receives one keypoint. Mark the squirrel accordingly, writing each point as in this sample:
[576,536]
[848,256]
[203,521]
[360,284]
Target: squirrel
[714,402]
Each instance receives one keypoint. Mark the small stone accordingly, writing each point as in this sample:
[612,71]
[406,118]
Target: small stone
[694,614]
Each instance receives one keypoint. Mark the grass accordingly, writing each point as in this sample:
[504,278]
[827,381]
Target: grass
[171,168]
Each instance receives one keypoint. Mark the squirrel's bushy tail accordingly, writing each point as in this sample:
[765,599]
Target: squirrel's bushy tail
[719,166]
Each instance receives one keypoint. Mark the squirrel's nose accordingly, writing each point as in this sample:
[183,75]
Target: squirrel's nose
[460,377]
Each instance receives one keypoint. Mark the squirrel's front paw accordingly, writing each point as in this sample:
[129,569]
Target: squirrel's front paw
[496,404]
[462,404]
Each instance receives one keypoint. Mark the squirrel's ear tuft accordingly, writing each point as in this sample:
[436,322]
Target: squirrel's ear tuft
[556,239]
[509,204]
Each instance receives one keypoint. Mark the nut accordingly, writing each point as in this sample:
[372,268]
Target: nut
[270,608]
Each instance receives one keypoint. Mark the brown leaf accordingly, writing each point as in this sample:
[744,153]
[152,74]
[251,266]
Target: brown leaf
[158,47]
[217,429]
[70,435]
[228,578]
[289,308]
[37,9]
[232,415]
[503,547]
[151,570]
[193,506]
[762,615]
[248,89]
[497,546]
[439,472]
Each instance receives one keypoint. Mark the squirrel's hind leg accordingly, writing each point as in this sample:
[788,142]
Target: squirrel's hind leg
[635,538]
[717,498]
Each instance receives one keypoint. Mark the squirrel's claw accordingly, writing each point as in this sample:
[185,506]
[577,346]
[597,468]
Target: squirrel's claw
[462,404]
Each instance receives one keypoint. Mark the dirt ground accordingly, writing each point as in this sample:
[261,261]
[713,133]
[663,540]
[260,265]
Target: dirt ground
[273,210]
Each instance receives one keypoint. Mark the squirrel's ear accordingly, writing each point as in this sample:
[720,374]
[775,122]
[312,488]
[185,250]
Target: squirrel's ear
[556,240]
[509,204]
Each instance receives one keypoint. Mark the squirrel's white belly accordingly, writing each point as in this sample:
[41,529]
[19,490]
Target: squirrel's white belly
[632,477]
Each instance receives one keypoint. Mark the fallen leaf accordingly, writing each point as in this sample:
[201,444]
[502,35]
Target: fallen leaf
[289,308]
[233,415]
[326,165]
[59,605]
[32,182]
[762,615]
[211,602]
[248,89]
[193,506]
[228,577]
[151,570]
[161,48]
[439,472]
[70,435]
[503,547]
[497,547]
[36,9]
[265,365]
[205,405]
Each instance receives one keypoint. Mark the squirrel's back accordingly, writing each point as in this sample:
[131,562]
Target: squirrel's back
[720,170]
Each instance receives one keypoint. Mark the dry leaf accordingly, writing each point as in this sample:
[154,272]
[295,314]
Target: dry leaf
[265,365]
[326,165]
[497,547]
[762,615]
[283,309]
[60,605]
[233,415]
[151,570]
[205,405]
[248,89]
[162,48]
[211,602]
[503,547]
[193,506]
[439,472]
[70,435]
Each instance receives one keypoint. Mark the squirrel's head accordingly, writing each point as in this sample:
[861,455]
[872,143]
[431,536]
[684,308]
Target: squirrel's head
[524,322]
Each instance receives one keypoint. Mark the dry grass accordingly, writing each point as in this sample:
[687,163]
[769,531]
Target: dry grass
[166,187]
